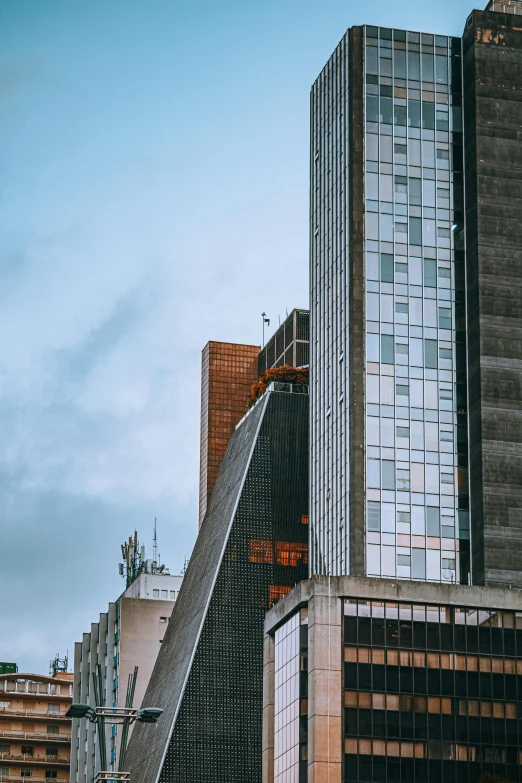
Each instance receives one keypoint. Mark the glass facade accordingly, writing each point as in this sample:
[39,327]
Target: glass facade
[431,692]
[415,429]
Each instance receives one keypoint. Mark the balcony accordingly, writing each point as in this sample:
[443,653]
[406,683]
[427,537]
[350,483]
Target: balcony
[42,736]
[29,688]
[33,714]
[32,779]
[28,759]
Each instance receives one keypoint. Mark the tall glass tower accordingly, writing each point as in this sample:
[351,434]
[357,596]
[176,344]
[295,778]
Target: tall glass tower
[389,462]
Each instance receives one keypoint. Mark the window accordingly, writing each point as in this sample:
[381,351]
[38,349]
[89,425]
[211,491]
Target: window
[53,708]
[401,307]
[5,748]
[444,318]
[400,149]
[172,595]
[403,432]
[4,705]
[5,771]
[415,231]
[446,478]
[430,354]
[387,349]
[443,272]
[403,480]
[433,521]
[442,154]
[164,594]
[388,474]
[403,560]
[163,619]
[445,353]
[446,394]
[51,774]
[26,773]
[401,184]
[402,389]
[401,348]
[155,594]
[428,115]
[386,268]
[415,191]
[27,750]
[418,563]
[414,114]
[430,273]
[53,729]
[374,516]
[51,751]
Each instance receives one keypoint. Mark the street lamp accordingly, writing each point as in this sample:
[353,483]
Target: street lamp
[114,715]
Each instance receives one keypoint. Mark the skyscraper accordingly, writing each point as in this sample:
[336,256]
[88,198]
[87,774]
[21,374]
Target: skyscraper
[251,550]
[409,271]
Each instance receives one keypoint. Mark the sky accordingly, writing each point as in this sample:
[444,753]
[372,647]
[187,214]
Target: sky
[153,196]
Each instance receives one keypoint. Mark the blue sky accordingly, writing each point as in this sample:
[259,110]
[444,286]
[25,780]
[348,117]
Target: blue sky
[153,196]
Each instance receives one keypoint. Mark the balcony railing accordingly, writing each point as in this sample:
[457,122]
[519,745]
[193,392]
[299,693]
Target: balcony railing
[32,779]
[34,714]
[28,758]
[36,735]
[41,688]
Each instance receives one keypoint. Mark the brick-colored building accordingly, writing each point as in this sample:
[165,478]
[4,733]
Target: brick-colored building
[35,734]
[227,374]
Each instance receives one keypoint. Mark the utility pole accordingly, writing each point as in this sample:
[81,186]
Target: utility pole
[267,322]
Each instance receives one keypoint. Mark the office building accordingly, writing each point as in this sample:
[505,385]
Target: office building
[228,371]
[392,681]
[416,276]
[289,344]
[35,734]
[129,634]
[251,550]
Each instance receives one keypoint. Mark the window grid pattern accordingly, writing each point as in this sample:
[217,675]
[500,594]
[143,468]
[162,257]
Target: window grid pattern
[431,693]
[329,347]
[413,114]
[217,733]
[286,702]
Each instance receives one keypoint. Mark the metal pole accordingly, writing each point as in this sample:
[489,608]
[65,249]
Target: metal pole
[98,695]
[131,687]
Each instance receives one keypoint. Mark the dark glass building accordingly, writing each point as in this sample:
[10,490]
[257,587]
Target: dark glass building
[416,314]
[289,344]
[373,680]
[251,550]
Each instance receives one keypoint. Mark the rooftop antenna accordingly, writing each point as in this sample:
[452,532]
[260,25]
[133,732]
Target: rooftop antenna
[265,321]
[155,543]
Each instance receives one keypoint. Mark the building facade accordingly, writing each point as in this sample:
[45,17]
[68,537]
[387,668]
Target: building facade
[35,734]
[402,287]
[228,371]
[290,344]
[373,680]
[129,634]
[251,550]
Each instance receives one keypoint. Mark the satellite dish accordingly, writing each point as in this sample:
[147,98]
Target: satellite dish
[447,574]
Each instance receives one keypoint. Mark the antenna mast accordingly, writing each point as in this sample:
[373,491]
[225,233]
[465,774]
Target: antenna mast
[155,543]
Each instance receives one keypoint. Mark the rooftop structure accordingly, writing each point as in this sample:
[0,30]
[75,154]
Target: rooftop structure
[289,344]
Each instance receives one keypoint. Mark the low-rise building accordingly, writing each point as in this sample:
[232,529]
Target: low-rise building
[35,734]
[129,634]
[384,680]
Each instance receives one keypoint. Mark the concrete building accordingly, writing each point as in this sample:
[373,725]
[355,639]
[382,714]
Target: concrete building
[35,734]
[289,344]
[228,371]
[383,680]
[251,550]
[415,304]
[129,634]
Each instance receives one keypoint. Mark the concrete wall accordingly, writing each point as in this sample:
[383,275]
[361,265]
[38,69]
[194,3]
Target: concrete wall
[492,49]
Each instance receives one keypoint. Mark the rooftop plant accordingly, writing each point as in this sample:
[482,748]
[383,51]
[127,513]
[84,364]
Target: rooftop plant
[284,374]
